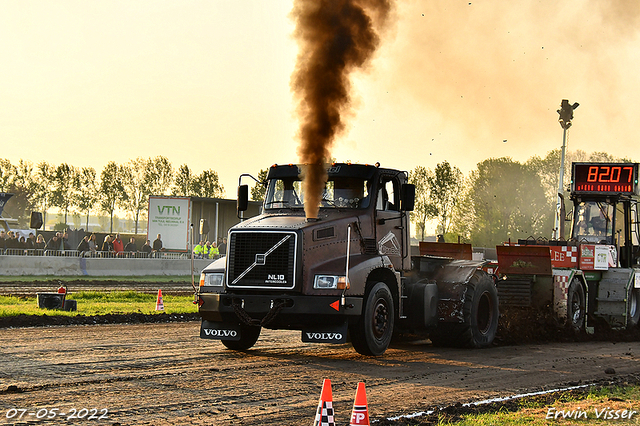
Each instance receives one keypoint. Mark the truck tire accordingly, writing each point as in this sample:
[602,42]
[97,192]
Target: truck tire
[480,313]
[576,306]
[633,307]
[372,333]
[248,337]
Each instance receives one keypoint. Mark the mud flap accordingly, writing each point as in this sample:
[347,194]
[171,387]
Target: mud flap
[219,330]
[335,334]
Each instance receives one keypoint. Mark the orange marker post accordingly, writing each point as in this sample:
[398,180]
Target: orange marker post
[159,302]
[360,412]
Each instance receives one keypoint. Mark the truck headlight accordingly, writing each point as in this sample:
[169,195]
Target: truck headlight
[211,279]
[330,282]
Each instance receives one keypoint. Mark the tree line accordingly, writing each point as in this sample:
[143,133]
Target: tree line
[500,199]
[72,189]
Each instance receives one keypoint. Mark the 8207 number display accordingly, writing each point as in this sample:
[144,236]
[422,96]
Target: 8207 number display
[605,178]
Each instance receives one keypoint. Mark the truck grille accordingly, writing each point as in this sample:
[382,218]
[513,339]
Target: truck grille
[261,260]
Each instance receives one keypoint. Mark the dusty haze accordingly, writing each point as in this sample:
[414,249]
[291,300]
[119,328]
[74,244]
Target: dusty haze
[474,80]
[209,83]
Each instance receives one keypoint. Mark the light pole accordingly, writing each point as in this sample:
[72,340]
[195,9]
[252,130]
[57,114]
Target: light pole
[566,115]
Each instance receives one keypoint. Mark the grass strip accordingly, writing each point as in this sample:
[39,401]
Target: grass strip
[598,405]
[100,303]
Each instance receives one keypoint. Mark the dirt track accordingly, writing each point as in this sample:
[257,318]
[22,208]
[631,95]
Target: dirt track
[164,374]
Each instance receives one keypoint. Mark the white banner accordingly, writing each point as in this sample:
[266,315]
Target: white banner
[169,217]
[602,255]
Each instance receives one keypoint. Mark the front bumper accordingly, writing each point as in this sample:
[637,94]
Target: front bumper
[294,311]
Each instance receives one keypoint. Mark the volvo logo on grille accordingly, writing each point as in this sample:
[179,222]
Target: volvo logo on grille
[261,258]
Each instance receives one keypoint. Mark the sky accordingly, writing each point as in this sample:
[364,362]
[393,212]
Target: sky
[207,83]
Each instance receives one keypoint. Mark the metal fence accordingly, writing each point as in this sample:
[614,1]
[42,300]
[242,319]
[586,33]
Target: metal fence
[97,254]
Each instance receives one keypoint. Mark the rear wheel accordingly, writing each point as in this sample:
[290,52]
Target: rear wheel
[248,337]
[576,306]
[372,333]
[480,313]
[633,307]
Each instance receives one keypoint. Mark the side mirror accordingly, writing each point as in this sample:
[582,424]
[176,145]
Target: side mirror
[408,194]
[243,198]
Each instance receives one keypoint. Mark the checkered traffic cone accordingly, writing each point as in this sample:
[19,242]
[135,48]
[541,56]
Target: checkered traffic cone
[324,414]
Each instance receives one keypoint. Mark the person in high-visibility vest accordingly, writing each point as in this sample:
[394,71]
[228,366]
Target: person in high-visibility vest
[197,250]
[205,250]
[213,251]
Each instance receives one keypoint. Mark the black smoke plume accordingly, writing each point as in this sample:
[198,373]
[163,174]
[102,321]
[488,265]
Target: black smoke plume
[335,37]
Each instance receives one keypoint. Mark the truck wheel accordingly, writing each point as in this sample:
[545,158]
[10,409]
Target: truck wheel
[633,307]
[480,312]
[576,306]
[372,333]
[248,337]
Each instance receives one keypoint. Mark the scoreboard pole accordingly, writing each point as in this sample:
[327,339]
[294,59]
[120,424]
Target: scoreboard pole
[558,228]
[565,115]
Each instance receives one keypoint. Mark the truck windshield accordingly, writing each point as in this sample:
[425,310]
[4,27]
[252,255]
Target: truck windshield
[593,222]
[339,192]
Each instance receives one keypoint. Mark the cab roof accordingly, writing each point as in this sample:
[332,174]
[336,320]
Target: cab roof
[363,171]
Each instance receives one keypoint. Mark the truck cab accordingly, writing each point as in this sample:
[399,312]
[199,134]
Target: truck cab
[606,222]
[346,273]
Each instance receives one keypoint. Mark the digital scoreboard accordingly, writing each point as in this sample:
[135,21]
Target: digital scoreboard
[604,178]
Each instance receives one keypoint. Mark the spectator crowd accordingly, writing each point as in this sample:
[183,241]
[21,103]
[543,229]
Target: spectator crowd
[11,243]
[210,250]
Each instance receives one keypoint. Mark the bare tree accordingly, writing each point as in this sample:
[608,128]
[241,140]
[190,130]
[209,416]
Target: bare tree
[65,185]
[25,190]
[183,183]
[207,184]
[508,201]
[7,174]
[87,194]
[159,176]
[20,181]
[111,189]
[136,185]
[257,190]
[424,208]
[445,185]
[44,187]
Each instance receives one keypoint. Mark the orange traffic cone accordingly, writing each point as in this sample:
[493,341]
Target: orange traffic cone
[360,413]
[159,302]
[324,414]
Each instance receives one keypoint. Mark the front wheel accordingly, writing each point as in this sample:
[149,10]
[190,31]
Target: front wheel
[248,337]
[372,333]
[576,306]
